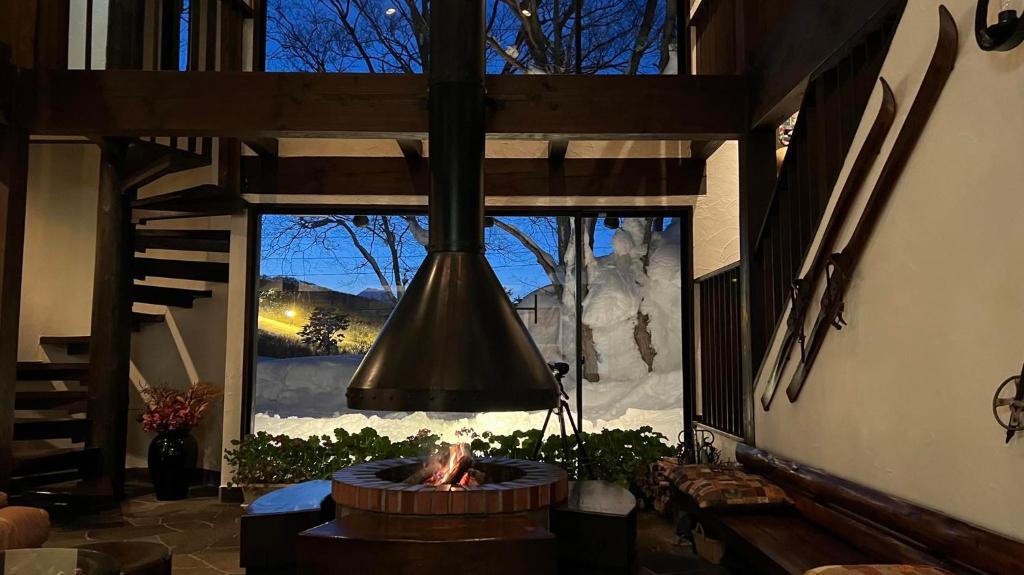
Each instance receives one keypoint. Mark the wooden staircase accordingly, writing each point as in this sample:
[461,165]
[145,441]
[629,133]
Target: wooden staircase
[54,464]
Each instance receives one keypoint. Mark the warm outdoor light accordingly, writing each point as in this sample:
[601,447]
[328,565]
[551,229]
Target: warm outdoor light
[1006,34]
[390,11]
[289,313]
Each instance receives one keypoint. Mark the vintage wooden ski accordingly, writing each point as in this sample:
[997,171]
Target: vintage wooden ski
[800,294]
[841,266]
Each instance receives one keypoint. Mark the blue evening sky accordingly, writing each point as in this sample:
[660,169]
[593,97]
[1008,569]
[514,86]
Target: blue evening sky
[340,267]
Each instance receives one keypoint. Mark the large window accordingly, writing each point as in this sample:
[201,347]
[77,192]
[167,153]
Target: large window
[327,283]
[523,36]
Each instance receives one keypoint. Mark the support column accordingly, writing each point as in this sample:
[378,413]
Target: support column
[110,339]
[689,335]
[13,190]
[757,181]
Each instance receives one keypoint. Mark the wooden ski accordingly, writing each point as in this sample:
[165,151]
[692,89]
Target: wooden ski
[841,266]
[803,287]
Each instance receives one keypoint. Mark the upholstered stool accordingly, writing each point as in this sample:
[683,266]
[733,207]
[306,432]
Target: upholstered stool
[877,570]
[136,557]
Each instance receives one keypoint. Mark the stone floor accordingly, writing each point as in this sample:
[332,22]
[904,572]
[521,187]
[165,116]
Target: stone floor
[204,536]
[202,531]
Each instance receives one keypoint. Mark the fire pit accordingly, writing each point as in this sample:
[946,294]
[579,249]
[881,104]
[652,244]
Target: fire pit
[507,486]
[413,515]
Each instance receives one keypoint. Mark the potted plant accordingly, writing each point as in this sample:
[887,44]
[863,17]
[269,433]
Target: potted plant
[171,414]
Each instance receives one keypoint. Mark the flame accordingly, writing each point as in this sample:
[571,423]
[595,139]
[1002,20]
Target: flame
[451,464]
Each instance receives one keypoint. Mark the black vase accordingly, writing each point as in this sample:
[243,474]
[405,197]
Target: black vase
[172,461]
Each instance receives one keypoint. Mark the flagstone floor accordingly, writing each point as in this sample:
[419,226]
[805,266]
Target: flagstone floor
[203,533]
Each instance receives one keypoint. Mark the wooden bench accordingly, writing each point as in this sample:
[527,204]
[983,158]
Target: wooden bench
[270,528]
[835,521]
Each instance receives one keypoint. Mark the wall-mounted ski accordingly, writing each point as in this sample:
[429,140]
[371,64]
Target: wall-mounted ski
[804,286]
[843,264]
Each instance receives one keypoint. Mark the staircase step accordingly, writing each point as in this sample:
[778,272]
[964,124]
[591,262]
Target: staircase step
[178,269]
[70,498]
[45,371]
[160,295]
[145,162]
[183,240]
[73,344]
[50,398]
[205,199]
[141,320]
[51,428]
[55,460]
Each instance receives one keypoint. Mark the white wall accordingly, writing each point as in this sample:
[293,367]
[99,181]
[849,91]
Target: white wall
[60,238]
[900,400]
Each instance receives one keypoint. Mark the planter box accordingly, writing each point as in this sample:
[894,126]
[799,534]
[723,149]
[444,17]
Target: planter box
[253,492]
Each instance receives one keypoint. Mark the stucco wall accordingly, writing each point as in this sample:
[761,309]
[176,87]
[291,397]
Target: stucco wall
[716,216]
[900,399]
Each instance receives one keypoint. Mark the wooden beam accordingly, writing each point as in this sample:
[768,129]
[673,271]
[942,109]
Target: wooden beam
[52,34]
[110,336]
[807,40]
[18,30]
[13,189]
[259,104]
[502,177]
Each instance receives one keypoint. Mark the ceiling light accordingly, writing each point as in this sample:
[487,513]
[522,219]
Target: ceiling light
[391,11]
[526,12]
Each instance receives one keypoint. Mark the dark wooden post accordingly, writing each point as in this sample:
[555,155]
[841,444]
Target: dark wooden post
[126,30]
[689,335]
[110,341]
[757,180]
[13,189]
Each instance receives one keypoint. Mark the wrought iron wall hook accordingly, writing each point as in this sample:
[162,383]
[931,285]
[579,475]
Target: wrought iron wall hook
[1006,34]
[1012,405]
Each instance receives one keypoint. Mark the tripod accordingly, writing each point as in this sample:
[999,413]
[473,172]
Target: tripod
[562,411]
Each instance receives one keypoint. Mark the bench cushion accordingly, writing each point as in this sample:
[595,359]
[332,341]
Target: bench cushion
[727,486]
[655,482]
[877,570]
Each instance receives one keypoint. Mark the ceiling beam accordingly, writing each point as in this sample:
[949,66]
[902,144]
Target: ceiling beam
[810,38]
[249,105]
[503,177]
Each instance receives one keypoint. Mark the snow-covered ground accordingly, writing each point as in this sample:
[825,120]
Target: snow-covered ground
[306,396]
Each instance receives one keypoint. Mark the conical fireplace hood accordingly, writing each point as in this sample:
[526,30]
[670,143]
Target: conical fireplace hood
[454,342]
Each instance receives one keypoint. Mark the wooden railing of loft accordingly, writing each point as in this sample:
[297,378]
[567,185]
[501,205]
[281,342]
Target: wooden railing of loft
[721,378]
[829,116]
[142,36]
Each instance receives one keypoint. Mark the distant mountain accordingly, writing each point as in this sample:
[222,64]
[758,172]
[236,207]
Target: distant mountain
[369,305]
[375,294]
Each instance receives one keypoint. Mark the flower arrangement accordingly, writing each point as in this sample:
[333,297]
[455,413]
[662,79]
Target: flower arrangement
[169,409]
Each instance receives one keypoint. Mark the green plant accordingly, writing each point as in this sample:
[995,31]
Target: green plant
[264,458]
[323,331]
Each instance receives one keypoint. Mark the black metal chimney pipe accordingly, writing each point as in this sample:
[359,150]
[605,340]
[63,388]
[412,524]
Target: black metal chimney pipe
[454,342]
[457,128]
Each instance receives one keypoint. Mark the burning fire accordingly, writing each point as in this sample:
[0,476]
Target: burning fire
[452,468]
